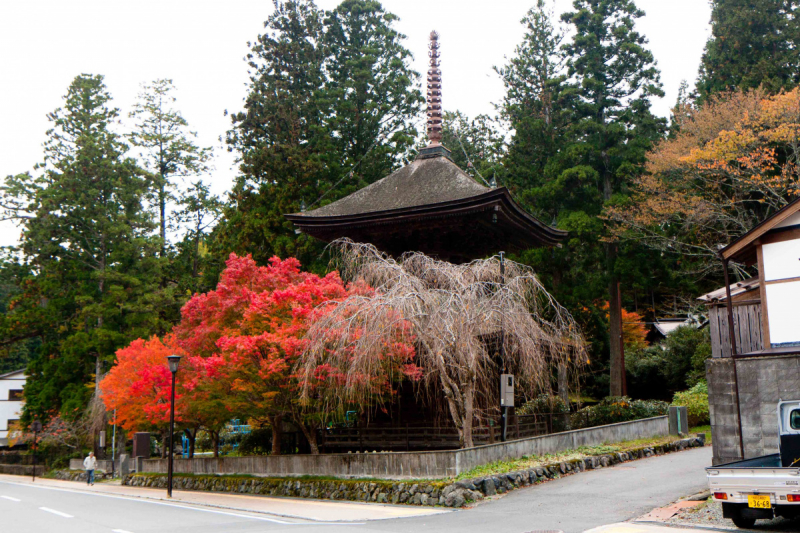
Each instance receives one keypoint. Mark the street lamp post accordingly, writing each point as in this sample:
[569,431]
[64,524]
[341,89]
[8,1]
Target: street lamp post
[36,426]
[173,368]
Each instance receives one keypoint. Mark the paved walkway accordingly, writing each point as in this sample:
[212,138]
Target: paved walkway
[647,528]
[318,510]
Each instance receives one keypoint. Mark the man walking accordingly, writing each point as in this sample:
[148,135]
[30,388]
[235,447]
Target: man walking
[90,463]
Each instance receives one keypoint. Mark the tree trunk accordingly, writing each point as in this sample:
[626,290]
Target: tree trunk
[311,437]
[614,326]
[614,304]
[215,442]
[164,444]
[277,435]
[162,206]
[469,412]
[191,437]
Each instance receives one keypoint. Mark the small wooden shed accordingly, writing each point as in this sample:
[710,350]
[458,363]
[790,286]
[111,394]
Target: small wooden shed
[755,335]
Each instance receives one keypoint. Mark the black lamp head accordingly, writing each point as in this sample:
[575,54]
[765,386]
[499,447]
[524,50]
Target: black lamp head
[173,362]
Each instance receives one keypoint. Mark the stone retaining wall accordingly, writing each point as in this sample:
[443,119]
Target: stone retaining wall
[447,494]
[414,465]
[78,475]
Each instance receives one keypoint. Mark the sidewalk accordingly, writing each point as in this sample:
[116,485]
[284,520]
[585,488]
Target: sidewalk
[317,510]
[637,527]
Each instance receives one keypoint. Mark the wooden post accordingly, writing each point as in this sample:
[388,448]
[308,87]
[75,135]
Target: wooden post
[734,354]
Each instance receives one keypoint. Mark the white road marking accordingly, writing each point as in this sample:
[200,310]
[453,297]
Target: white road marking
[59,513]
[309,522]
[119,531]
[10,498]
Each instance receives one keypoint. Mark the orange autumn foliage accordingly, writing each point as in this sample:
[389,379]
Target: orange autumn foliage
[634,329]
[733,162]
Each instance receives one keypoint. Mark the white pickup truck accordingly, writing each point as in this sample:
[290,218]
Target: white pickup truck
[764,487]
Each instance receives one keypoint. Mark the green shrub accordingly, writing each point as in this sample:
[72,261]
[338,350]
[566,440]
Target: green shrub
[696,402]
[617,409]
[545,404]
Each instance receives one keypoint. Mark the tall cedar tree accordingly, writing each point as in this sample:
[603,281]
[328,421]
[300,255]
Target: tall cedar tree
[86,236]
[612,128]
[169,149]
[753,43]
[277,136]
[477,145]
[330,99]
[537,107]
[370,92]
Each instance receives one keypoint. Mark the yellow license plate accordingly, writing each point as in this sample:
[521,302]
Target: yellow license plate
[759,501]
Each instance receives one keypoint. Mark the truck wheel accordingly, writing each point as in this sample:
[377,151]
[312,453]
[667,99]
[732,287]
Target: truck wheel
[744,523]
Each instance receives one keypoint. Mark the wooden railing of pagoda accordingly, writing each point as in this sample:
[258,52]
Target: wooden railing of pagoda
[418,437]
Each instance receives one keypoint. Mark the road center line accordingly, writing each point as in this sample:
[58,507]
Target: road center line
[10,498]
[59,513]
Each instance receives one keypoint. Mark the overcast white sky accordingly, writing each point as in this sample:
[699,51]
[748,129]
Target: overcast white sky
[200,45]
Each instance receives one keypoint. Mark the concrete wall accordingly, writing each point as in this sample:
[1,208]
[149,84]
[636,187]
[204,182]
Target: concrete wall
[413,465]
[763,381]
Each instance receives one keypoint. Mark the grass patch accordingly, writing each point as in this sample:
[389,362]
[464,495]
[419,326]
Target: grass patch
[527,462]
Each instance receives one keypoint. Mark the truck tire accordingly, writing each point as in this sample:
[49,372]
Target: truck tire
[743,523]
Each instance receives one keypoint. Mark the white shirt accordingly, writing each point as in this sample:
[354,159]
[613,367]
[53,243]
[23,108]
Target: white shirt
[90,463]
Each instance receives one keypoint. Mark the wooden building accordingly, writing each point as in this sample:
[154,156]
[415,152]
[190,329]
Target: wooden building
[755,331]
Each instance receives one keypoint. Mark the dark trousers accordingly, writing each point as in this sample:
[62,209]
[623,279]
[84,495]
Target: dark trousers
[89,477]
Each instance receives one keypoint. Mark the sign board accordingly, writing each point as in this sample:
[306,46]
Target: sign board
[141,445]
[506,390]
[36,426]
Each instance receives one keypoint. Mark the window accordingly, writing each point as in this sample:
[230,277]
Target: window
[15,395]
[794,419]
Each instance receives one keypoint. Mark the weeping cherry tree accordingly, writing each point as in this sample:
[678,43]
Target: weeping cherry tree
[467,322]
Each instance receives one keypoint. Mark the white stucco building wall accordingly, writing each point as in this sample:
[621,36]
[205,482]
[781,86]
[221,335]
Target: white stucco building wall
[11,385]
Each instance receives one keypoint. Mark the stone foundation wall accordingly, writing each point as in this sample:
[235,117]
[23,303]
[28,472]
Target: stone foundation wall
[447,494]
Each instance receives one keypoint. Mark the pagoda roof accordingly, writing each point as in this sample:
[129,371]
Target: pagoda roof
[434,207]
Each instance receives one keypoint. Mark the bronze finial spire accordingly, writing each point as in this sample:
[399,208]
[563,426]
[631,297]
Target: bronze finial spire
[434,93]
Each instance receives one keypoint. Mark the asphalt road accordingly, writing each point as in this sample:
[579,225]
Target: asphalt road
[572,504]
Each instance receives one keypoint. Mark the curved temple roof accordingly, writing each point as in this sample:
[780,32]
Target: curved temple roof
[434,207]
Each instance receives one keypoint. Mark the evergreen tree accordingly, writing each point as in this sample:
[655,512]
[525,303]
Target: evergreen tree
[169,149]
[369,87]
[330,101]
[538,108]
[753,43]
[612,77]
[279,137]
[88,239]
[199,212]
[477,146]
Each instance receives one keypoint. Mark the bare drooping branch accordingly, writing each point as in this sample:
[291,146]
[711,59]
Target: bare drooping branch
[454,316]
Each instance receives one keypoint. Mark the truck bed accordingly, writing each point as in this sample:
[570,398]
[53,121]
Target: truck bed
[767,461]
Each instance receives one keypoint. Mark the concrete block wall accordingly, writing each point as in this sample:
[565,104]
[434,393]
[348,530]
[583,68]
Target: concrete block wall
[413,465]
[763,382]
